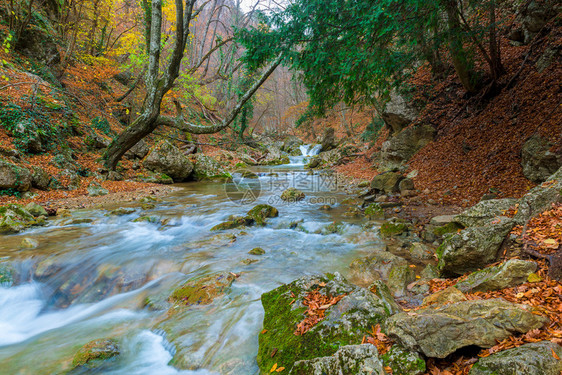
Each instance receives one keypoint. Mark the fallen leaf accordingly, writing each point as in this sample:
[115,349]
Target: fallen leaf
[280,369]
[273,368]
[556,357]
[533,278]
[264,331]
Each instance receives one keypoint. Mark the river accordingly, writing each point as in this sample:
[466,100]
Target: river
[91,275]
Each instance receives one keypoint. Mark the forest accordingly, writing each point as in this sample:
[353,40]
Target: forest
[304,187]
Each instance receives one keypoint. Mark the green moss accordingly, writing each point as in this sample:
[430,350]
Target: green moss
[147,219]
[94,353]
[233,223]
[390,229]
[292,195]
[261,212]
[202,291]
[256,251]
[451,227]
[374,211]
[403,362]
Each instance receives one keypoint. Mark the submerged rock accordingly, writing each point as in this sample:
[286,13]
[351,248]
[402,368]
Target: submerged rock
[374,211]
[7,273]
[95,353]
[438,331]
[344,323]
[536,358]
[350,359]
[292,195]
[509,274]
[202,290]
[121,211]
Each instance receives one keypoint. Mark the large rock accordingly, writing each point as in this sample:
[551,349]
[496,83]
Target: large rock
[206,167]
[441,330]
[261,212]
[40,179]
[28,136]
[292,195]
[350,359]
[377,266]
[472,248]
[509,274]
[398,279]
[344,324]
[540,198]
[536,358]
[139,151]
[401,147]
[328,140]
[14,218]
[95,354]
[538,162]
[13,176]
[168,159]
[398,113]
[484,211]
[534,15]
[291,145]
[37,44]
[202,290]
[387,182]
[403,362]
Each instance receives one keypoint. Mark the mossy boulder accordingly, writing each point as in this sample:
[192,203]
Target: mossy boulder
[377,266]
[96,353]
[256,251]
[121,211]
[337,227]
[292,195]
[14,218]
[234,222]
[208,168]
[147,219]
[261,212]
[168,159]
[506,275]
[387,182]
[350,359]
[96,190]
[398,279]
[484,212]
[393,228]
[36,210]
[13,176]
[448,228]
[202,290]
[403,361]
[374,211]
[536,358]
[345,323]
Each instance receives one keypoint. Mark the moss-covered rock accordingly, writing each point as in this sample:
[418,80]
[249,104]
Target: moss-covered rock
[376,266]
[256,251]
[403,361]
[36,210]
[208,168]
[451,227]
[337,227]
[147,219]
[261,212]
[393,228]
[234,222]
[350,359]
[202,290]
[292,195]
[13,176]
[14,218]
[121,211]
[374,211]
[484,211]
[345,323]
[95,353]
[530,359]
[96,190]
[398,279]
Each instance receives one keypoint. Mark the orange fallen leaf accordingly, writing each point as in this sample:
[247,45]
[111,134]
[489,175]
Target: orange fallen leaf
[273,368]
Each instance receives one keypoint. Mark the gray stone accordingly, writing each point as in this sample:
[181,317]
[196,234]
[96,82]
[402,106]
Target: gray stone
[13,176]
[442,297]
[40,179]
[328,140]
[364,271]
[96,141]
[95,353]
[139,151]
[483,212]
[530,359]
[403,362]
[401,147]
[534,15]
[509,274]
[398,279]
[168,159]
[472,248]
[206,167]
[441,330]
[538,162]
[540,198]
[398,113]
[35,209]
[421,251]
[406,184]
[350,359]
[96,190]
[442,220]
[387,182]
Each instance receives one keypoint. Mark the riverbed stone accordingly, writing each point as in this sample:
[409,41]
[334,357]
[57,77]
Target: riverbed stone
[535,358]
[7,274]
[393,228]
[403,361]
[261,212]
[14,218]
[377,266]
[437,331]
[36,210]
[256,251]
[484,212]
[208,168]
[292,195]
[349,359]
[509,274]
[168,159]
[121,211]
[387,182]
[29,243]
[421,251]
[96,190]
[202,290]
[95,353]
[473,248]
[344,324]
[233,222]
[374,211]
[398,279]
[442,297]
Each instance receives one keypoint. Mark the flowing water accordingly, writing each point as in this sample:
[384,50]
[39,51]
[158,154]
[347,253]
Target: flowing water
[91,275]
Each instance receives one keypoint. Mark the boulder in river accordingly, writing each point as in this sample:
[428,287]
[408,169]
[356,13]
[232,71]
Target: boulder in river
[509,274]
[537,358]
[438,331]
[348,314]
[261,212]
[95,354]
[350,359]
[202,290]
[208,168]
[168,159]
[292,195]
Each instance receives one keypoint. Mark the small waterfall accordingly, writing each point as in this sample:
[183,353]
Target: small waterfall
[310,150]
